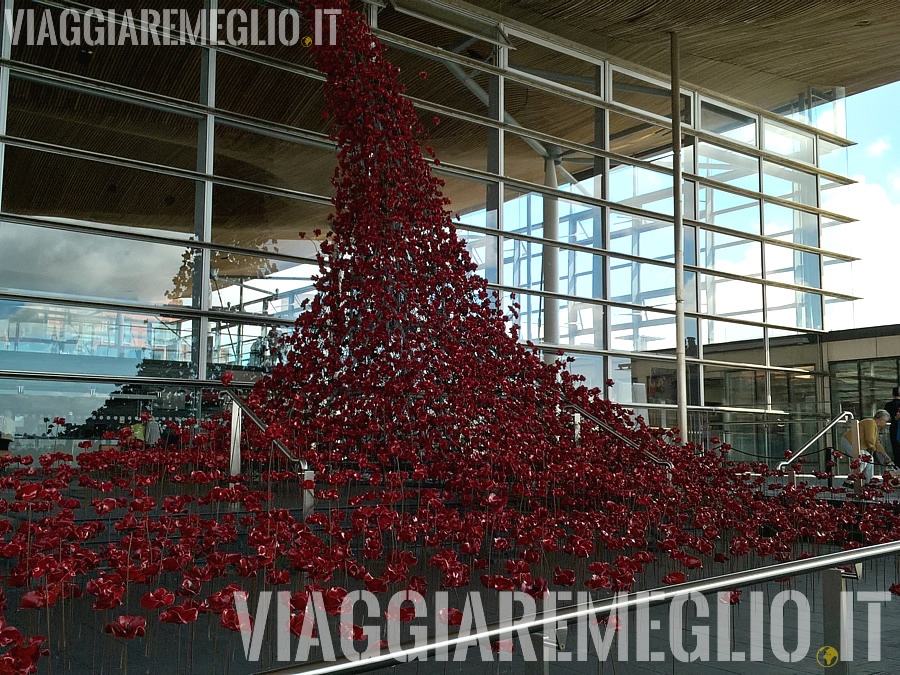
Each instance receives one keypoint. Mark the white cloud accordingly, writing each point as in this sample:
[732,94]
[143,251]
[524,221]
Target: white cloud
[878,148]
[870,240]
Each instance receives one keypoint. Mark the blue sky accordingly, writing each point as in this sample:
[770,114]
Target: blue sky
[875,201]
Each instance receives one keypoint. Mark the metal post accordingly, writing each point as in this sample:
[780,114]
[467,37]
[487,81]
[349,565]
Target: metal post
[837,632]
[204,195]
[550,260]
[235,459]
[680,337]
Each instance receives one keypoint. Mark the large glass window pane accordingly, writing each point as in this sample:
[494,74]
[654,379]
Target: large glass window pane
[482,250]
[635,330]
[79,120]
[648,238]
[649,190]
[576,172]
[637,381]
[788,307]
[57,187]
[97,267]
[727,122]
[591,367]
[237,345]
[552,114]
[647,95]
[833,157]
[792,267]
[258,285]
[580,322]
[789,142]
[729,297]
[555,66]
[457,141]
[268,223]
[727,166]
[580,273]
[524,213]
[162,69]
[48,338]
[263,159]
[727,387]
[258,91]
[728,341]
[727,209]
[782,222]
[790,184]
[730,254]
[640,283]
[474,201]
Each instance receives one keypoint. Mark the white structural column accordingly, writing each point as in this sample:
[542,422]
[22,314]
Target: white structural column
[550,260]
[204,195]
[680,337]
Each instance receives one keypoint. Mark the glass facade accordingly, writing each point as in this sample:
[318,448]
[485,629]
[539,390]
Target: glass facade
[152,206]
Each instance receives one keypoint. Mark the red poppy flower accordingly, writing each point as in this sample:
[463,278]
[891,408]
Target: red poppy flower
[179,614]
[127,627]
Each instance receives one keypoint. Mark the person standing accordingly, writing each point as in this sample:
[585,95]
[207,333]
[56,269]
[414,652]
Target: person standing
[893,407]
[868,443]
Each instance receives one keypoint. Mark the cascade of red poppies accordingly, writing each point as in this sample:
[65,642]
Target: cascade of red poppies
[442,452]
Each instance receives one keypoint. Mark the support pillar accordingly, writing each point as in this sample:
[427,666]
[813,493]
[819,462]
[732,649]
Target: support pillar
[550,261]
[680,336]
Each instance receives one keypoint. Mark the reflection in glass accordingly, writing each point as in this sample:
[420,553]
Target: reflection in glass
[719,338]
[270,224]
[257,285]
[637,381]
[790,184]
[76,265]
[555,66]
[730,254]
[96,192]
[782,222]
[267,160]
[255,90]
[727,166]
[591,367]
[727,122]
[726,209]
[163,69]
[645,189]
[730,297]
[789,142]
[788,307]
[580,323]
[580,272]
[792,267]
[647,95]
[482,250]
[43,337]
[76,119]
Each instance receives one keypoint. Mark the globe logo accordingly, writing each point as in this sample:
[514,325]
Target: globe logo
[307,41]
[827,656]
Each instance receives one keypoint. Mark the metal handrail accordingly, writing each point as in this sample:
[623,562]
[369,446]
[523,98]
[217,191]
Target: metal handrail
[845,416]
[627,441]
[725,582]
[253,417]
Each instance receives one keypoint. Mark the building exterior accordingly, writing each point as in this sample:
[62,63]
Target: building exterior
[153,199]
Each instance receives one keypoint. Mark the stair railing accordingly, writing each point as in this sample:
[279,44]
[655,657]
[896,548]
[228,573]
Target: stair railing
[240,409]
[627,441]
